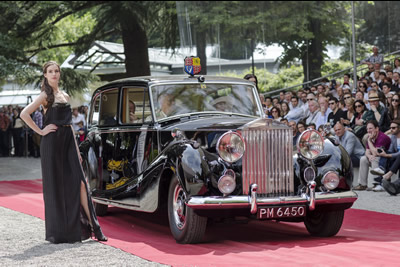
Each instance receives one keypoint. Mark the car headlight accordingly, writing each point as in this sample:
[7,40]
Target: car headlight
[310,144]
[231,147]
[330,180]
[227,182]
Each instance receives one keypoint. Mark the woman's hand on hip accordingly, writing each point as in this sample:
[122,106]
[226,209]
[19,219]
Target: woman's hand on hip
[49,129]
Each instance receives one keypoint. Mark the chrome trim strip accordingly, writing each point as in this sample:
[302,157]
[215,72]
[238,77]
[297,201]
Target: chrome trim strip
[311,198]
[253,198]
[198,202]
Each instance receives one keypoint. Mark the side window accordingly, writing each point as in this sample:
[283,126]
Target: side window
[108,104]
[94,117]
[135,107]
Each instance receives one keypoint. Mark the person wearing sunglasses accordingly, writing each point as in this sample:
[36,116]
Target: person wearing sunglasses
[276,114]
[389,114]
[337,114]
[389,162]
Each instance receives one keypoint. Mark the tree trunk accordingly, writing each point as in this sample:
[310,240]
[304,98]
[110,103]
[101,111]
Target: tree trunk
[315,51]
[135,47]
[201,50]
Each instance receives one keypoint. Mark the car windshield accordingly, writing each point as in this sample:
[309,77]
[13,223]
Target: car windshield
[175,99]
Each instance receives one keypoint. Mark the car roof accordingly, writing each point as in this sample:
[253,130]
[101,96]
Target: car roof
[173,78]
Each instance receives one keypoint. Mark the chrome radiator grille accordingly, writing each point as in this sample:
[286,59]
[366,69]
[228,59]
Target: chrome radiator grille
[268,160]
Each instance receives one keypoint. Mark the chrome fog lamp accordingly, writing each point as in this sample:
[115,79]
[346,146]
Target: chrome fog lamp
[227,182]
[330,180]
[309,174]
[310,144]
[231,147]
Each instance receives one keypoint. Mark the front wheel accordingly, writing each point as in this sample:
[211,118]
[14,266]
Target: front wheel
[324,224]
[186,226]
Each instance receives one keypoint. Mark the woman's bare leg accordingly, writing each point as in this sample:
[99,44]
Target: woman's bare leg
[84,202]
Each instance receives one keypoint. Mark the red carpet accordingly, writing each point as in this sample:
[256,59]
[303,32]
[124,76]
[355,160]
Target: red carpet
[366,238]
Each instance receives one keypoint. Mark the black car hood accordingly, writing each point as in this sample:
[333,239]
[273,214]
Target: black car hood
[207,123]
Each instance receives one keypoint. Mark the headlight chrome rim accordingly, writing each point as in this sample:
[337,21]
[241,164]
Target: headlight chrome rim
[302,143]
[331,180]
[220,152]
[228,177]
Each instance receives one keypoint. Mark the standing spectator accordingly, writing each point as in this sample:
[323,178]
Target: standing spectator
[4,125]
[17,134]
[376,139]
[38,119]
[305,107]
[336,113]
[374,58]
[350,142]
[275,101]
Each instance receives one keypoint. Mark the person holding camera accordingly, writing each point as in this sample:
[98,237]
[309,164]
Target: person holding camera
[376,139]
[390,159]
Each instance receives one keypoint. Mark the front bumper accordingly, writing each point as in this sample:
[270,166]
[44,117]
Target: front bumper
[252,201]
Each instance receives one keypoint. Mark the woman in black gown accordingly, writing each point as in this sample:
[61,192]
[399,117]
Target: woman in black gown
[69,212]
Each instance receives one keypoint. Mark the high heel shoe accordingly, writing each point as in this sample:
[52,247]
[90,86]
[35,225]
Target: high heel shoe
[98,234]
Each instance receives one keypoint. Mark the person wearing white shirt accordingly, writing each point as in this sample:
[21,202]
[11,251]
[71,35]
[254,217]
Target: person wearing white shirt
[76,118]
[295,113]
[322,117]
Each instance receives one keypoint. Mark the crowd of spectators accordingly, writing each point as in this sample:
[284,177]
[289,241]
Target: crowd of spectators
[365,120]
[18,140]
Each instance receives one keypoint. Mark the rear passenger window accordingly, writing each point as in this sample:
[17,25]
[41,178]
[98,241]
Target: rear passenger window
[104,109]
[135,108]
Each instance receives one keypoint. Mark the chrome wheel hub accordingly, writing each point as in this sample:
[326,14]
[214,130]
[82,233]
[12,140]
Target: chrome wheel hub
[179,207]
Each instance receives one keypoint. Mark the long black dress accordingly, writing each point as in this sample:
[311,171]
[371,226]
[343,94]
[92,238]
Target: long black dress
[65,219]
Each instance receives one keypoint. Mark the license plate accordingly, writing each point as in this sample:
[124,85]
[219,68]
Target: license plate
[281,212]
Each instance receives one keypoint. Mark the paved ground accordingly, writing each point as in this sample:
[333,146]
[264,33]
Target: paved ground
[22,236]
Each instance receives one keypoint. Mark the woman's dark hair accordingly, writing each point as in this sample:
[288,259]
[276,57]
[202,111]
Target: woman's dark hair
[46,87]
[365,86]
[358,101]
[249,76]
[277,109]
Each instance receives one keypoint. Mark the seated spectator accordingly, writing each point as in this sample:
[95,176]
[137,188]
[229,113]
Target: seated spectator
[301,127]
[282,96]
[390,159]
[311,126]
[284,109]
[358,124]
[391,113]
[322,117]
[285,121]
[305,107]
[376,139]
[349,113]
[296,133]
[396,64]
[350,142]
[359,96]
[337,114]
[275,101]
[296,112]
[374,58]
[395,82]
[276,114]
[268,103]
[376,110]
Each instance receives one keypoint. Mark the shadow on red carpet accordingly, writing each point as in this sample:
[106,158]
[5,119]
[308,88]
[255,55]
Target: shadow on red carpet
[366,238]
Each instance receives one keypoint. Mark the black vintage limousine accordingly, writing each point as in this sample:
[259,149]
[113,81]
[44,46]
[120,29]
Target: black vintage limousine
[202,148]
